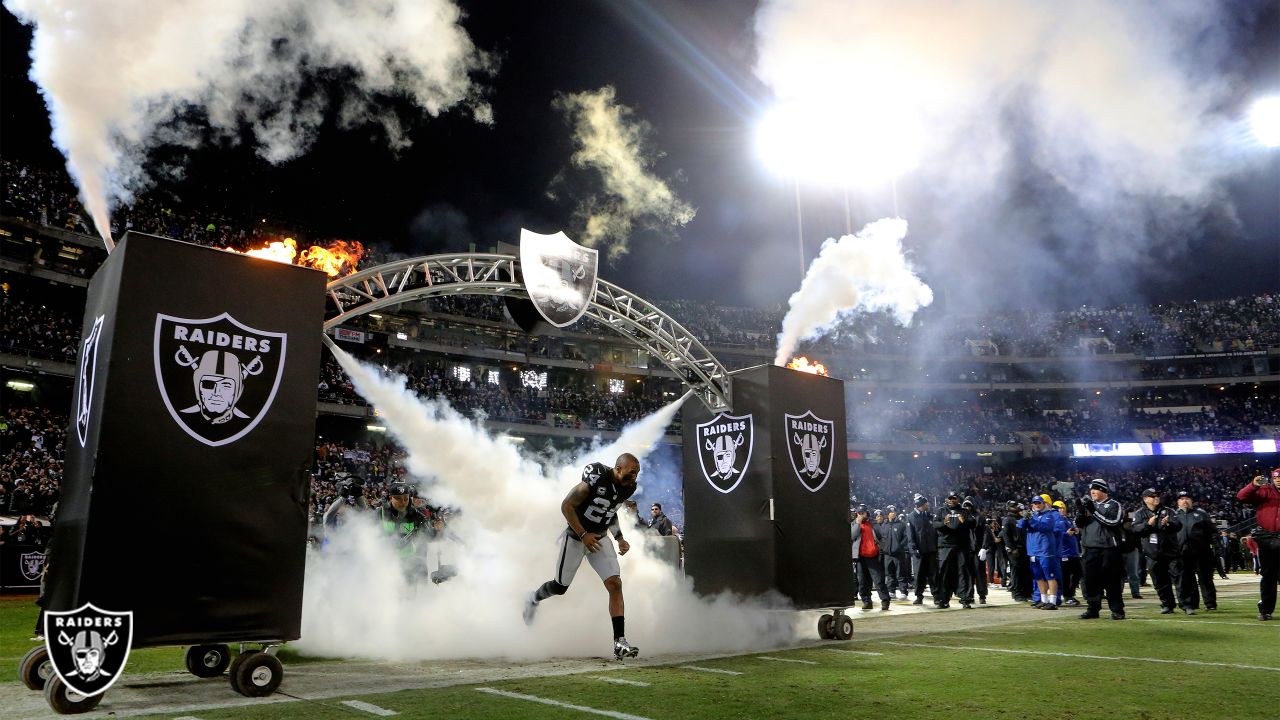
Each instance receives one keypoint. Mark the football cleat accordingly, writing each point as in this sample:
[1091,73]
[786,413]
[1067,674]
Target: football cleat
[530,607]
[623,649]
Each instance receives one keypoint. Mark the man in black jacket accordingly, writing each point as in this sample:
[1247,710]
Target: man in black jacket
[973,576]
[922,543]
[1195,556]
[1014,540]
[953,524]
[1222,552]
[896,564]
[1101,521]
[1157,528]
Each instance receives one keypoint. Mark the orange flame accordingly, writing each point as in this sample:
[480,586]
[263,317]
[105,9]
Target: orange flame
[803,364]
[337,259]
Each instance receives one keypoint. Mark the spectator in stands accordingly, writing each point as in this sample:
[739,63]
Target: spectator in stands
[658,521]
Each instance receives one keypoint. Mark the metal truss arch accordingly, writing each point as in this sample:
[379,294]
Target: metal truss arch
[631,316]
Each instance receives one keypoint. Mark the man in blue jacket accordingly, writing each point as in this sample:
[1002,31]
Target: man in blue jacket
[1069,552]
[1041,524]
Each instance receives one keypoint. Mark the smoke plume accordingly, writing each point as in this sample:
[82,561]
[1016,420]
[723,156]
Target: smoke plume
[861,272]
[614,144]
[117,74]
[358,603]
[1059,137]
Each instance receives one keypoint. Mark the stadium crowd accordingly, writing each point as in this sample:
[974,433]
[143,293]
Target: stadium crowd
[31,454]
[31,329]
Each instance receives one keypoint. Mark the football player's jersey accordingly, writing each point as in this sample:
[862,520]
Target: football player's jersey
[597,511]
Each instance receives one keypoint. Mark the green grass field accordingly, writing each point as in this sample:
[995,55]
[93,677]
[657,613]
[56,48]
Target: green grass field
[1026,663]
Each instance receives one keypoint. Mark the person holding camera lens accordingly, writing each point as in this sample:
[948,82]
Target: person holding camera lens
[350,502]
[1014,540]
[1266,497]
[952,523]
[1193,572]
[1102,535]
[922,543]
[868,539]
[1157,529]
[974,574]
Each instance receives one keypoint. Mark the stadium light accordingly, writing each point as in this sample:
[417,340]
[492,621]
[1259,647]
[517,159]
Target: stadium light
[1264,120]
[838,145]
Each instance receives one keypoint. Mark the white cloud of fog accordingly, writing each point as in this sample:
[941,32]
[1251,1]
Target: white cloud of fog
[116,73]
[614,144]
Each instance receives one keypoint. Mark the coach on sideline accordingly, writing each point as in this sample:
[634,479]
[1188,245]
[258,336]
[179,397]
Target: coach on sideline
[1266,496]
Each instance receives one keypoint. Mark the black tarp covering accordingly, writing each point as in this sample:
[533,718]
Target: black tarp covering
[780,417]
[189,449]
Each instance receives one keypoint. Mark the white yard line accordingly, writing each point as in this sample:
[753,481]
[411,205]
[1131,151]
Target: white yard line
[776,659]
[619,681]
[709,670]
[854,652]
[1087,657]
[557,703]
[369,708]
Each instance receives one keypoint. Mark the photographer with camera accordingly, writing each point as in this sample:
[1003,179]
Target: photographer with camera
[350,502]
[1014,540]
[1102,535]
[952,523]
[1266,497]
[1157,529]
[868,541]
[1069,556]
[974,573]
[922,543]
[896,563]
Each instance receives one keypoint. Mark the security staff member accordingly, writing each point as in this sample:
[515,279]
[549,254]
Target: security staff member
[922,543]
[1014,540]
[1195,556]
[897,567]
[1102,524]
[953,523]
[1157,528]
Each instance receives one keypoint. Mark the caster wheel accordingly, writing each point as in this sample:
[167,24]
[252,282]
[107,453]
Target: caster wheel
[233,673]
[844,628]
[826,630]
[66,701]
[208,661]
[258,675]
[35,668]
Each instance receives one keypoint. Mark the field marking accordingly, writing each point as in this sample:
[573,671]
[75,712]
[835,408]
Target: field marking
[557,703]
[1086,657]
[777,659]
[854,652]
[710,670]
[619,681]
[997,632]
[186,717]
[1200,622]
[369,708]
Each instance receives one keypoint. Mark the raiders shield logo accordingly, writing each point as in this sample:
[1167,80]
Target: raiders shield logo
[32,564]
[811,446]
[559,274]
[218,376]
[724,449]
[88,647]
[88,371]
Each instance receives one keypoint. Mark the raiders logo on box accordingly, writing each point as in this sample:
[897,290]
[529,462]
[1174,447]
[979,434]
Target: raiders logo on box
[724,449]
[810,445]
[88,646]
[217,376]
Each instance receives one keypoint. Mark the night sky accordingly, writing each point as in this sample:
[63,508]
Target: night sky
[686,69]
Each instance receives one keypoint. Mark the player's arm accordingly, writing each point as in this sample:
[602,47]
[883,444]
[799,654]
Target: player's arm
[615,529]
[569,507]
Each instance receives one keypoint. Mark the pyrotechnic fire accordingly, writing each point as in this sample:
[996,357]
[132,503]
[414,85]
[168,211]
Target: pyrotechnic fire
[803,364]
[337,259]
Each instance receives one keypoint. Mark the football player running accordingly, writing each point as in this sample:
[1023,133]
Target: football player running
[591,509]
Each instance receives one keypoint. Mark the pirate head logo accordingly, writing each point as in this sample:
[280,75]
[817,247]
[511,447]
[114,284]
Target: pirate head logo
[559,274]
[724,449]
[32,564]
[88,647]
[84,382]
[217,376]
[811,446]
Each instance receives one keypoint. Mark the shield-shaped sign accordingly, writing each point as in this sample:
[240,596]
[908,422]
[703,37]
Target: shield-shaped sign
[811,446]
[724,449]
[217,376]
[32,565]
[88,646]
[559,274]
[88,371]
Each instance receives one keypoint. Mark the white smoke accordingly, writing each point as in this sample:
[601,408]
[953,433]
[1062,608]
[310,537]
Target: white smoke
[1056,133]
[115,74]
[861,272]
[357,602]
[613,143]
